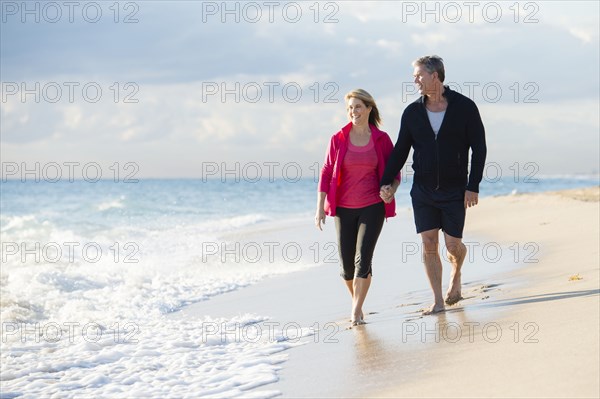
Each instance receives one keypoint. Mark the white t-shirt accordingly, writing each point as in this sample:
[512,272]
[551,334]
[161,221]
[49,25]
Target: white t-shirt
[436,119]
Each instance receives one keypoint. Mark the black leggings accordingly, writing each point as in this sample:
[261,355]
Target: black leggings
[357,233]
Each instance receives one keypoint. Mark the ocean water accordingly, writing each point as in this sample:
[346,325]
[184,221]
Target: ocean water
[90,270]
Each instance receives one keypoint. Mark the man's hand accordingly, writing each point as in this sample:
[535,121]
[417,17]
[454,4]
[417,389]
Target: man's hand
[471,198]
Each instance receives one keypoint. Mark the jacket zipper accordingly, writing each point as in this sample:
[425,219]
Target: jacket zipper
[437,159]
[437,152]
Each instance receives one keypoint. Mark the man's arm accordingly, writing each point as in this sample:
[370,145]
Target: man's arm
[476,136]
[399,154]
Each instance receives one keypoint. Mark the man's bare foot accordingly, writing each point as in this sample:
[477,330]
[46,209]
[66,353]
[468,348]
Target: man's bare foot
[454,293]
[451,300]
[434,309]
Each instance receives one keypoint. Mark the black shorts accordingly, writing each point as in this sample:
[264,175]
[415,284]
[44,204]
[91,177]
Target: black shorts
[439,209]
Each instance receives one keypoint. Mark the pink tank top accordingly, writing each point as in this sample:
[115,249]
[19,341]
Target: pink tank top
[360,185]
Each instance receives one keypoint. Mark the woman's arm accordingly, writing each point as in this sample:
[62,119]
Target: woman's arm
[324,182]
[320,214]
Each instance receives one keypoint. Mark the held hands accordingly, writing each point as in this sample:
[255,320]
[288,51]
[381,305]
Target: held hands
[387,193]
[471,198]
[320,217]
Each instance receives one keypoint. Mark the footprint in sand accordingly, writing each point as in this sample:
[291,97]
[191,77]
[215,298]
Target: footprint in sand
[487,287]
[408,304]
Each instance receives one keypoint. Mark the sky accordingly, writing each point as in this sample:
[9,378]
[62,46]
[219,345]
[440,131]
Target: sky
[200,89]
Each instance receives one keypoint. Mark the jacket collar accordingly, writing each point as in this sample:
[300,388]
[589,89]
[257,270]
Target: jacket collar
[449,94]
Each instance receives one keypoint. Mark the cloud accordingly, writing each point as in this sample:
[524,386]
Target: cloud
[171,58]
[393,46]
[429,40]
[583,35]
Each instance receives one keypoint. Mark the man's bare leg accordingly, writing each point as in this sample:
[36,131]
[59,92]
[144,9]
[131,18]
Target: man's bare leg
[433,267]
[457,251]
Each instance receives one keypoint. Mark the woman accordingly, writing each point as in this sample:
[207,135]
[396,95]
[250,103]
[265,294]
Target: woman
[349,191]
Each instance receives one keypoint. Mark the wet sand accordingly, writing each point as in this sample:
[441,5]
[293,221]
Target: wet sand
[528,325]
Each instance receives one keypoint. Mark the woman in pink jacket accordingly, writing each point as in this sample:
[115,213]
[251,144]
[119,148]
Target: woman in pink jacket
[349,191]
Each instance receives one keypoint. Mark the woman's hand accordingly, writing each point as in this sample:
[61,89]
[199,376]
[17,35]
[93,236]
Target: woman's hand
[320,217]
[387,193]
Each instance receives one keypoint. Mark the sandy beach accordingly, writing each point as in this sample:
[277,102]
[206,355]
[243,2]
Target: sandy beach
[528,325]
[554,304]
[158,192]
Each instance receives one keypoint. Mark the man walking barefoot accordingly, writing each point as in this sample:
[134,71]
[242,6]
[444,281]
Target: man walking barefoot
[441,126]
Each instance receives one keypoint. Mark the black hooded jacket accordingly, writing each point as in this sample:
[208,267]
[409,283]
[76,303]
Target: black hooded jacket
[441,163]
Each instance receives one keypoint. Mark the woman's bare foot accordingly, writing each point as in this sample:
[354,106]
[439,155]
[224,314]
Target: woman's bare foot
[357,318]
[360,317]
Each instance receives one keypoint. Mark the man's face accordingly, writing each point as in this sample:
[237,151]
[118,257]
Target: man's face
[424,80]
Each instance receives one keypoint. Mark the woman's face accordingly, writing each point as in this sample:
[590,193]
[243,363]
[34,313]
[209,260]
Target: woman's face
[358,113]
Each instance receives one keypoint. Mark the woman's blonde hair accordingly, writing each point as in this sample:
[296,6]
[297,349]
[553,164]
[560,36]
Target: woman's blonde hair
[369,101]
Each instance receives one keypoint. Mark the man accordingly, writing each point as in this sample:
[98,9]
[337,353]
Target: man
[440,126]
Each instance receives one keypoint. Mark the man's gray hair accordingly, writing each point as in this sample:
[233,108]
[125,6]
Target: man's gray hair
[432,63]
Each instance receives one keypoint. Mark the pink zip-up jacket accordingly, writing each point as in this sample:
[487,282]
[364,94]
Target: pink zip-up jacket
[331,172]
